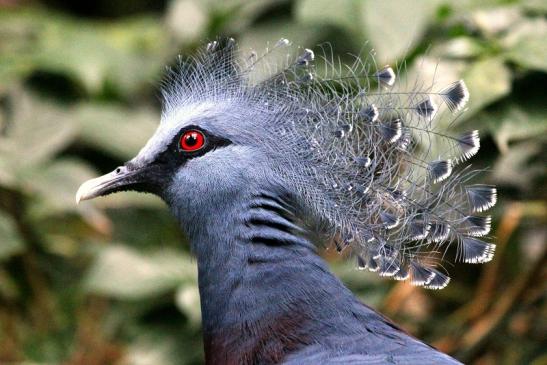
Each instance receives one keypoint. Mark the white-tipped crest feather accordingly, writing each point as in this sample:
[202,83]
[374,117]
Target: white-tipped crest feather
[352,146]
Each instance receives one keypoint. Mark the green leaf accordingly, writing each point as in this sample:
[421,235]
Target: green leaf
[17,46]
[123,273]
[12,68]
[141,50]
[188,302]
[343,13]
[124,56]
[515,121]
[527,45]
[539,6]
[11,242]
[395,27]
[494,20]
[234,16]
[36,130]
[465,7]
[7,173]
[114,129]
[97,55]
[56,184]
[513,168]
[460,47]
[152,350]
[186,20]
[487,80]
[171,343]
[162,230]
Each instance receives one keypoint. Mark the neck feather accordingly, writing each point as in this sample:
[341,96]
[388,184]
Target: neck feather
[264,291]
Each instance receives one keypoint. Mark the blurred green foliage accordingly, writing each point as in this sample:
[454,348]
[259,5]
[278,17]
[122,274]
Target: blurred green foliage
[112,281]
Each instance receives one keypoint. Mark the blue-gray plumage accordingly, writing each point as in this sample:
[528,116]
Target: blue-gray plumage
[258,173]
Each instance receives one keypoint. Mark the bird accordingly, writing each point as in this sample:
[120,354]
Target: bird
[263,163]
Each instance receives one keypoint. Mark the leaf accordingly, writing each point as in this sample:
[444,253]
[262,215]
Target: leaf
[169,343]
[7,173]
[141,49]
[122,56]
[466,7]
[494,20]
[35,131]
[186,20]
[513,168]
[487,81]
[343,14]
[161,228]
[97,55]
[11,242]
[515,121]
[123,273]
[56,184]
[460,47]
[526,44]
[115,130]
[235,16]
[12,68]
[152,350]
[395,27]
[539,6]
[187,301]
[17,47]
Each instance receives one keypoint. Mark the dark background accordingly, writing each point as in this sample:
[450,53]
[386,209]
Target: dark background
[111,281]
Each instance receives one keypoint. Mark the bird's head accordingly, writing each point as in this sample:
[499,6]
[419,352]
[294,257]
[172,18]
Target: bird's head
[354,153]
[211,141]
[204,153]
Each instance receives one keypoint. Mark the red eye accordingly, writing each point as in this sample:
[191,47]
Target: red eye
[192,140]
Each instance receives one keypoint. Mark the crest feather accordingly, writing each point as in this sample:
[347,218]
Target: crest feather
[358,151]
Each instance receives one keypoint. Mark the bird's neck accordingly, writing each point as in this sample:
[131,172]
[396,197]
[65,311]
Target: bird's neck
[264,291]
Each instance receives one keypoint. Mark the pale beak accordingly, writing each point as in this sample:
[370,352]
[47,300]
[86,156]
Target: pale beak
[120,179]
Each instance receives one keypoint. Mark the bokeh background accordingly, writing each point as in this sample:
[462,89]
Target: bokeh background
[112,282]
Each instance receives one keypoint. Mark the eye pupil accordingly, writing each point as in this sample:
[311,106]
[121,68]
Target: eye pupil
[192,140]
